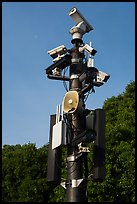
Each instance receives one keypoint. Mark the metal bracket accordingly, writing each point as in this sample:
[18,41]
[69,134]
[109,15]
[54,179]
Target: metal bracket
[82,149]
[63,184]
[74,183]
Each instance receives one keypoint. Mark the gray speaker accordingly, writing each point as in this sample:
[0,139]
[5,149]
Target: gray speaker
[99,146]
[70,102]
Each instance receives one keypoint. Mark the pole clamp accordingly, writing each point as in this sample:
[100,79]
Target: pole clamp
[73,158]
[76,60]
[74,183]
[74,76]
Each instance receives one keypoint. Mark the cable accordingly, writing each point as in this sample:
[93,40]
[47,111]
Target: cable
[89,92]
[86,97]
[64,82]
[65,85]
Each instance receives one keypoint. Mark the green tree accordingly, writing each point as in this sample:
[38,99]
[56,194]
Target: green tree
[24,170]
[119,184]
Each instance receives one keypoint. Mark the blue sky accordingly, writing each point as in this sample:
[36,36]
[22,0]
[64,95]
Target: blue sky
[29,30]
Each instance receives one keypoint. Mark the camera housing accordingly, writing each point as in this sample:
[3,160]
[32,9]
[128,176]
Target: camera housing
[82,26]
[77,17]
[88,49]
[58,52]
[61,64]
[102,76]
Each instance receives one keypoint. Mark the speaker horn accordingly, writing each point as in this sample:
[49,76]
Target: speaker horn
[70,102]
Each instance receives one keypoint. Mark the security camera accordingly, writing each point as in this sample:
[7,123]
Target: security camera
[88,49]
[61,64]
[58,52]
[102,76]
[77,17]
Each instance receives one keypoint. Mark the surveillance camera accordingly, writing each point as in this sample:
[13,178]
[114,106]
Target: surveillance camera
[77,17]
[61,64]
[56,52]
[102,76]
[88,49]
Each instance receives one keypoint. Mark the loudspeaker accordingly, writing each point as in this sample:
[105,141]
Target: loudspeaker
[99,146]
[54,157]
[70,102]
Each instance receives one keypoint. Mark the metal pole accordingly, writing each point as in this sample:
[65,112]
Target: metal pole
[76,185]
[83,77]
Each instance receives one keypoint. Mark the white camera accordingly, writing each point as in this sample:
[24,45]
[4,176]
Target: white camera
[88,49]
[58,52]
[77,17]
[102,76]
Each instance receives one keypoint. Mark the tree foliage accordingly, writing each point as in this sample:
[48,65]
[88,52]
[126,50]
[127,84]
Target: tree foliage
[24,173]
[119,184]
[24,168]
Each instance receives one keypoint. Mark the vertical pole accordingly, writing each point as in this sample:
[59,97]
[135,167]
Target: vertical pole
[76,185]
